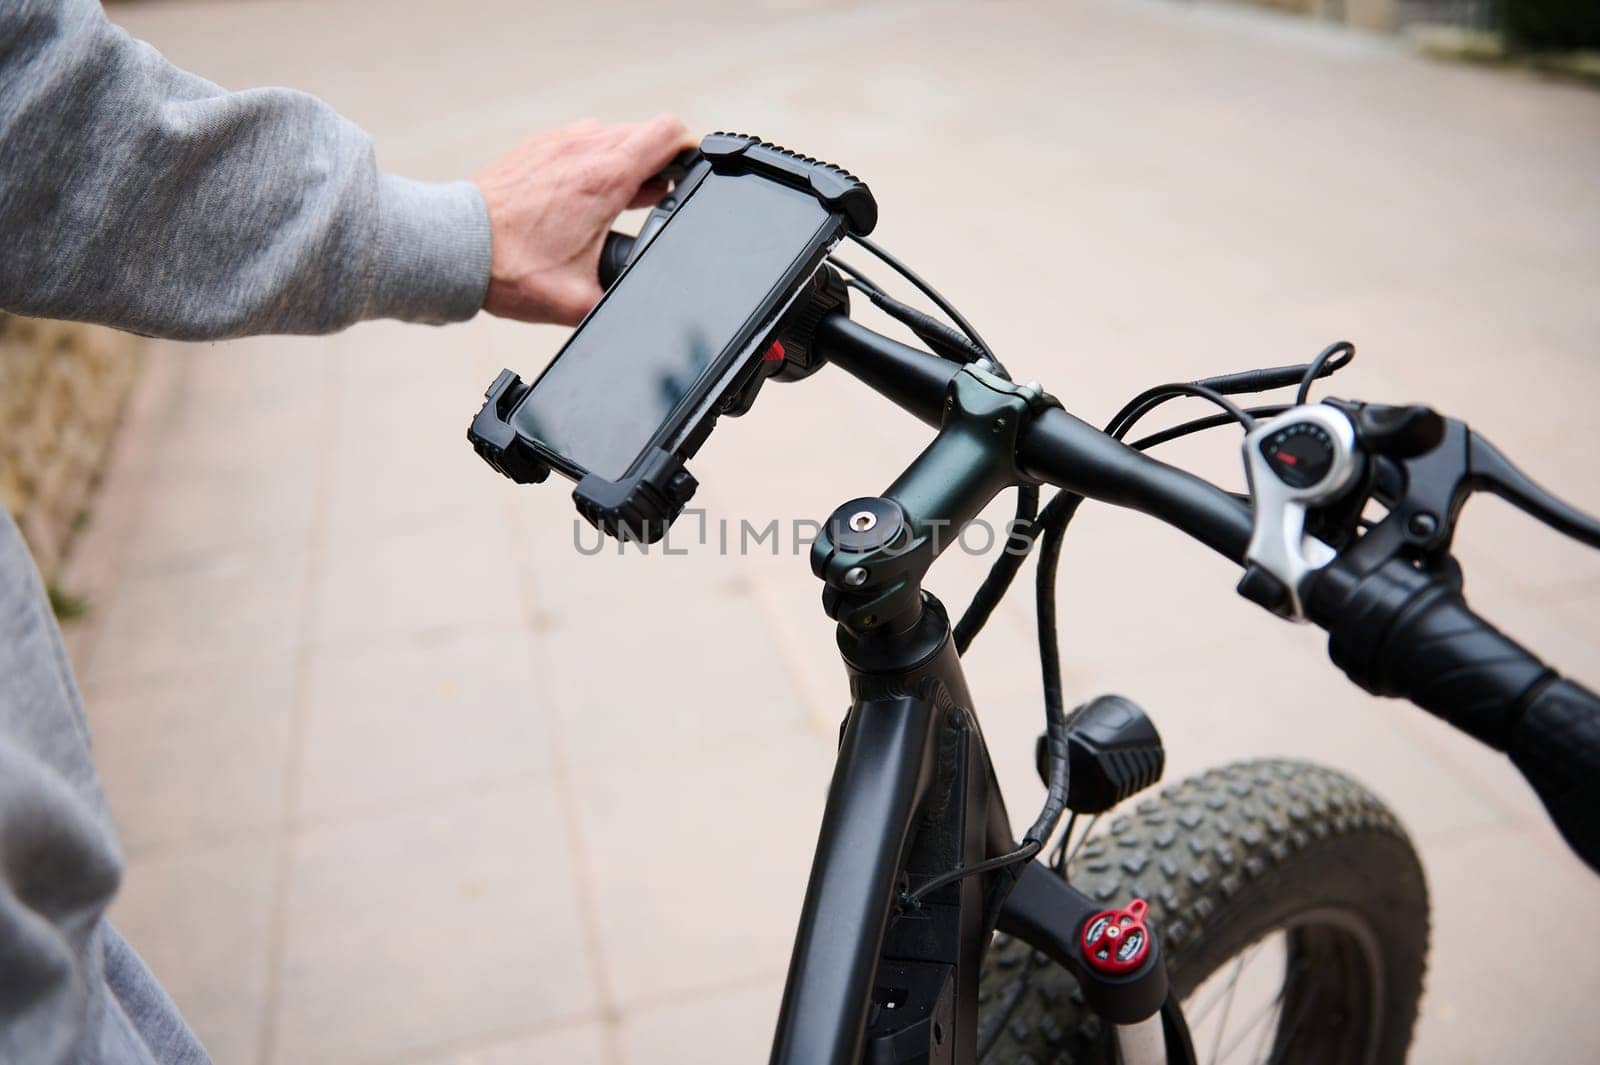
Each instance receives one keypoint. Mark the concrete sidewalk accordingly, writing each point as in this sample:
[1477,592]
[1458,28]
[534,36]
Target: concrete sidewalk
[404,777]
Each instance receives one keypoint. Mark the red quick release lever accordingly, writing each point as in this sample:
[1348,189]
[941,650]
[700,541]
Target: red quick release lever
[1117,941]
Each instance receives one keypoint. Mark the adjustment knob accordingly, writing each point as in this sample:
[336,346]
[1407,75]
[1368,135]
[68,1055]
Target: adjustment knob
[1116,942]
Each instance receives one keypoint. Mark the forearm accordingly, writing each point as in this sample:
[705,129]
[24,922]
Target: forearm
[139,196]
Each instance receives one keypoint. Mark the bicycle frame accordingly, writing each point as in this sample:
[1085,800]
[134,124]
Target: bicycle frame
[913,792]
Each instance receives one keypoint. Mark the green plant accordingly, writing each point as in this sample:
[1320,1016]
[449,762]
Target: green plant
[67,606]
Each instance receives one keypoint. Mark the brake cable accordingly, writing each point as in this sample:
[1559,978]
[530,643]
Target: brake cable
[1321,366]
[944,341]
[933,294]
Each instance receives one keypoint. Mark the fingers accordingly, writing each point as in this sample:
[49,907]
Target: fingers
[579,301]
[650,194]
[650,146]
[551,201]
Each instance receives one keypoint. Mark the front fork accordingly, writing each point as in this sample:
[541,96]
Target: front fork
[1144,1043]
[1051,916]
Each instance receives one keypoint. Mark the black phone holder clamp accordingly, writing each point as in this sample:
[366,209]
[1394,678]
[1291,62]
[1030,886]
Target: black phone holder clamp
[835,187]
[497,441]
[644,502]
[639,507]
[791,353]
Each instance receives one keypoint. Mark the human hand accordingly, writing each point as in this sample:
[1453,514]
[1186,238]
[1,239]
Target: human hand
[552,200]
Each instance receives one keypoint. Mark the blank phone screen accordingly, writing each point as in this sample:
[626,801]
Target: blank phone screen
[666,325]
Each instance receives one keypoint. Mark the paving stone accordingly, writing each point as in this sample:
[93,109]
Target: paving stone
[420,718]
[731,1026]
[452,922]
[578,1045]
[199,759]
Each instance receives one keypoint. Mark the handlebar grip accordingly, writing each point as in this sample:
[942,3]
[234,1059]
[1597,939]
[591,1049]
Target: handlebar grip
[614,256]
[1403,632]
[1556,744]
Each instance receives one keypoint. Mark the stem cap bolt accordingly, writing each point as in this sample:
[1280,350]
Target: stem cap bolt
[864,525]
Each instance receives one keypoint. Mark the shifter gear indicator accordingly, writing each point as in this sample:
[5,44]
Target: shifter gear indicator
[1303,458]
[1301,454]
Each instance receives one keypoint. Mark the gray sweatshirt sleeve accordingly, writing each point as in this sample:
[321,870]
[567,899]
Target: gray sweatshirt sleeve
[142,197]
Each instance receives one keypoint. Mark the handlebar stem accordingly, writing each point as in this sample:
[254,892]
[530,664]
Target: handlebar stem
[972,459]
[874,552]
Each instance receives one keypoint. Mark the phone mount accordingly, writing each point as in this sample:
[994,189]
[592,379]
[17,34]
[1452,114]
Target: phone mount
[643,503]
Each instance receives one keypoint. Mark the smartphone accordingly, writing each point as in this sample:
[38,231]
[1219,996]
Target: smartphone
[635,390]
[684,317]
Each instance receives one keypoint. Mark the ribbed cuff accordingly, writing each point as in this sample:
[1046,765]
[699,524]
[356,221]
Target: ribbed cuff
[432,260]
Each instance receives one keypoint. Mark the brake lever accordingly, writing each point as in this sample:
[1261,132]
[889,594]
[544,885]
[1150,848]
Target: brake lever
[1491,471]
[1428,466]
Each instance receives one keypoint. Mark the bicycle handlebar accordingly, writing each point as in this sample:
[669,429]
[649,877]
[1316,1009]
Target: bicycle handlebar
[1055,447]
[1556,744]
[614,255]
[1396,631]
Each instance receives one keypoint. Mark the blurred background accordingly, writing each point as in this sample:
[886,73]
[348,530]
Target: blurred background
[402,776]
